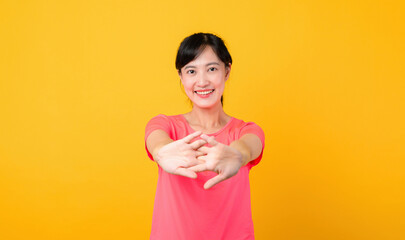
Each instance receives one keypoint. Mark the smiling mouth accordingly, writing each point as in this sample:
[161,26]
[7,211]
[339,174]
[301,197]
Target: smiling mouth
[205,92]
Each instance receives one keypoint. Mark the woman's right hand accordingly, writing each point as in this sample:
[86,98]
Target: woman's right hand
[179,155]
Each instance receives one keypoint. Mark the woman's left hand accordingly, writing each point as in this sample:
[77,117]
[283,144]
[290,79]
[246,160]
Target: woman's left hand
[220,158]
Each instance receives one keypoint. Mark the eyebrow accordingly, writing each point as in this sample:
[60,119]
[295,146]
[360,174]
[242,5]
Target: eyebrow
[211,63]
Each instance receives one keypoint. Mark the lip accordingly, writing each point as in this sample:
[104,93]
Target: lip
[204,90]
[204,95]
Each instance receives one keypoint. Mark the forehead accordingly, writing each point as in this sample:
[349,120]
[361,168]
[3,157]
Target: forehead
[206,56]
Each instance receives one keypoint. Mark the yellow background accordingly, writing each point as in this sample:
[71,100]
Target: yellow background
[80,79]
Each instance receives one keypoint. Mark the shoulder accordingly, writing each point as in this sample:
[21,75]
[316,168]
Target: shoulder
[165,118]
[241,127]
[240,124]
[173,125]
[163,121]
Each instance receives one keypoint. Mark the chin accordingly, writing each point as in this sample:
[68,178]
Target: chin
[207,105]
[204,103]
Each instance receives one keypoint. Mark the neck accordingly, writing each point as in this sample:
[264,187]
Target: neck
[208,118]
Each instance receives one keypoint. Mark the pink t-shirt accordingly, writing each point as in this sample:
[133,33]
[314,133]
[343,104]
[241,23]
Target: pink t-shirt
[184,210]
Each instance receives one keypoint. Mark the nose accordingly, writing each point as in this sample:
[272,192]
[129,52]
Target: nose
[202,80]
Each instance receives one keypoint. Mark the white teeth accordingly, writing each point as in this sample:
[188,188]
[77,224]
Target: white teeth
[205,92]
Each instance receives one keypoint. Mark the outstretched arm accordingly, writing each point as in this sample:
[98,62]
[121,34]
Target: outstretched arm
[156,140]
[249,145]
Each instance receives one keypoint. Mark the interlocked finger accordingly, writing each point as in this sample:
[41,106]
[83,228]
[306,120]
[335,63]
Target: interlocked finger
[201,161]
[199,153]
[197,144]
[210,139]
[204,150]
[190,137]
[203,158]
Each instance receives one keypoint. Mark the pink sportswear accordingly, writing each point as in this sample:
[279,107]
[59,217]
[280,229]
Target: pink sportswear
[184,210]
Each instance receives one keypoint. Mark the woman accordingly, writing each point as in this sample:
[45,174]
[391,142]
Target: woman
[204,156]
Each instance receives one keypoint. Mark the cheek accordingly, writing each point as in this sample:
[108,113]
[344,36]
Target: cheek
[220,85]
[187,86]
[185,82]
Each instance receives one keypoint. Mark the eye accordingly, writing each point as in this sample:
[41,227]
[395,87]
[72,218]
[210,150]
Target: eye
[211,69]
[190,71]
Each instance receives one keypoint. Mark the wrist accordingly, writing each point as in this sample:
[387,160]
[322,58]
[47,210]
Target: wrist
[155,153]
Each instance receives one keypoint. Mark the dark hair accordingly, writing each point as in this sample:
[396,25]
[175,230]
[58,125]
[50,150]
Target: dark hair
[192,46]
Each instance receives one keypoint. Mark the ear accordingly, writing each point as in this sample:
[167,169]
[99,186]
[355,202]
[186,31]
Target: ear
[228,71]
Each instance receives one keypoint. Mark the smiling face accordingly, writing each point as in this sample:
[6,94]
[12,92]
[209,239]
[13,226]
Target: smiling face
[204,79]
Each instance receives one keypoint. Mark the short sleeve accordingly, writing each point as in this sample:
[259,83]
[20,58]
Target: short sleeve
[159,122]
[253,128]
